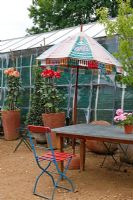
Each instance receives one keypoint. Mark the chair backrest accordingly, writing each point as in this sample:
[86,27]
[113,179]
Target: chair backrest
[40,130]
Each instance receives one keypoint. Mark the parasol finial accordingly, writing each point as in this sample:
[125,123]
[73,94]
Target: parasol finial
[81,27]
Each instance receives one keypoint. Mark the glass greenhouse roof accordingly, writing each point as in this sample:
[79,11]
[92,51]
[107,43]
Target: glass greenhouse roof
[94,30]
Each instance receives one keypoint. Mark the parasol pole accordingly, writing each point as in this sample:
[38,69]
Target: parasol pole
[74,113]
[74,117]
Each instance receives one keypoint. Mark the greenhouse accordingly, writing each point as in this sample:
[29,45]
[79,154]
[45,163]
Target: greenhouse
[97,97]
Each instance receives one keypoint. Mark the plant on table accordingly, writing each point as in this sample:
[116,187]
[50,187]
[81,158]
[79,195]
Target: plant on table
[123,118]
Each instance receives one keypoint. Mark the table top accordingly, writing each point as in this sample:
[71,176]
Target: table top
[95,131]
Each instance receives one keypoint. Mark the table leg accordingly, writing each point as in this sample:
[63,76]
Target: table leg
[82,155]
[60,148]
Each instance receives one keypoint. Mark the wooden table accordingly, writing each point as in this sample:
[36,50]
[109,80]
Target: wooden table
[91,132]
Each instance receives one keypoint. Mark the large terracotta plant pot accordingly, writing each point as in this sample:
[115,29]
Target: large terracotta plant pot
[54,120]
[98,146]
[11,122]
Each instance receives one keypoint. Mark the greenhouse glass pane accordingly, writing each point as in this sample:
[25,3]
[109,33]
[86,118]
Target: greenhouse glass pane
[26,61]
[25,76]
[25,97]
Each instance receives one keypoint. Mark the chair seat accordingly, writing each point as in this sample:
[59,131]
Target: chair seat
[59,156]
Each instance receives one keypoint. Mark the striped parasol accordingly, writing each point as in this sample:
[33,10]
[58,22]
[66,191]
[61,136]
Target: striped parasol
[79,51]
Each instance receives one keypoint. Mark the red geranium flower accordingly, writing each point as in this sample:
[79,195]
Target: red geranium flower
[48,73]
[57,74]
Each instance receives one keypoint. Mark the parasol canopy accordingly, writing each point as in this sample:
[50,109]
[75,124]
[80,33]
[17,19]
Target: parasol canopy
[80,51]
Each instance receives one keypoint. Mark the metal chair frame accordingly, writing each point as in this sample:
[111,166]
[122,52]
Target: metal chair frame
[108,147]
[124,151]
[24,139]
[52,157]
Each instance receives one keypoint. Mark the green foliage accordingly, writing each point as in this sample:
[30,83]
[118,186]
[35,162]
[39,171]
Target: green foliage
[34,115]
[45,98]
[122,26]
[51,97]
[128,120]
[50,15]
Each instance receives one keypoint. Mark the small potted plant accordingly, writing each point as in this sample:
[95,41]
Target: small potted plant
[10,111]
[52,98]
[124,119]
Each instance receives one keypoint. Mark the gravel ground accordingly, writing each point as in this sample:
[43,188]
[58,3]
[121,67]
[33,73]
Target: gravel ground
[18,171]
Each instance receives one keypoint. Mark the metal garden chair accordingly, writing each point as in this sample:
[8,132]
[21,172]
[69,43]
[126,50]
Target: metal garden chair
[105,148]
[23,138]
[50,156]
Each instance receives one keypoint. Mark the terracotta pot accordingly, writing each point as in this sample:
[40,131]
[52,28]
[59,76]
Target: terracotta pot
[41,139]
[128,129]
[75,163]
[54,120]
[10,122]
[98,146]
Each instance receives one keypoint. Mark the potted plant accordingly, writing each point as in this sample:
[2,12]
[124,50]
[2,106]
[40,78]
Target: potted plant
[124,119]
[34,115]
[52,98]
[10,111]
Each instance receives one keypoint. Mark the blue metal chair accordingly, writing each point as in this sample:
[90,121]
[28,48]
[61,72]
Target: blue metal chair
[50,156]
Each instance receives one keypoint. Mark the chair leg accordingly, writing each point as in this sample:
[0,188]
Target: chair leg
[18,145]
[105,157]
[62,187]
[37,180]
[62,175]
[25,142]
[124,151]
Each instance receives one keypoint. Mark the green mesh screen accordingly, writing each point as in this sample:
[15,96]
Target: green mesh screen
[99,102]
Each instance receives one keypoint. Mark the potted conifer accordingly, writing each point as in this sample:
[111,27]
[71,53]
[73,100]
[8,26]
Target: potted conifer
[34,115]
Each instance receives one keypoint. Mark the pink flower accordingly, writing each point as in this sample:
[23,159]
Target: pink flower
[16,74]
[122,117]
[116,118]
[129,113]
[119,111]
[6,71]
[11,72]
